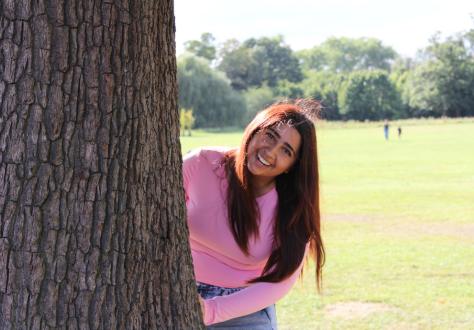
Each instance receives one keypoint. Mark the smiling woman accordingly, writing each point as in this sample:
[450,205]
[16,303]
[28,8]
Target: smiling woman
[271,152]
[253,216]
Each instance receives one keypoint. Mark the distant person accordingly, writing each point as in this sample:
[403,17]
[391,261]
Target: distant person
[253,216]
[399,131]
[385,129]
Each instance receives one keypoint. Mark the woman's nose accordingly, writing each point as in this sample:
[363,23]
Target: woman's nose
[271,151]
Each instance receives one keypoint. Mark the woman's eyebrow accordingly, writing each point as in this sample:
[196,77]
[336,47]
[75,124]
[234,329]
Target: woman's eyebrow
[289,147]
[274,132]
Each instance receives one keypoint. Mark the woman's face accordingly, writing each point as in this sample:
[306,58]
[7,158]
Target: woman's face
[272,151]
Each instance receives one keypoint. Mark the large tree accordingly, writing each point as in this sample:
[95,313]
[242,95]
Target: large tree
[93,231]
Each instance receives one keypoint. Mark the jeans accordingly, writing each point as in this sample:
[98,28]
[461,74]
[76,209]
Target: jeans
[264,319]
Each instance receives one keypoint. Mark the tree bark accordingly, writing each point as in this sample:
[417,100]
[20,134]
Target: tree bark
[93,230]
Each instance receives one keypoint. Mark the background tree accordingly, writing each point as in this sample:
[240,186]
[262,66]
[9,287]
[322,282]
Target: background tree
[288,89]
[93,231]
[260,61]
[324,86]
[443,84]
[204,48]
[347,54]
[368,95]
[400,74]
[257,99]
[275,59]
[239,65]
[468,39]
[209,94]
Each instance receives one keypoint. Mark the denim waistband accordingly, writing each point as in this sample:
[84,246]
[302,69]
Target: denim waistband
[209,291]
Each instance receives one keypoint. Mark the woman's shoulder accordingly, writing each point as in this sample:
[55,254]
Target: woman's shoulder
[211,154]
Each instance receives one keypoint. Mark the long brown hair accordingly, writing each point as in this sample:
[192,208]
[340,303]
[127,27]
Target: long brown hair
[297,220]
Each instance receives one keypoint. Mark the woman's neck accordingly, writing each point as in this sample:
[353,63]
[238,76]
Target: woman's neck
[261,186]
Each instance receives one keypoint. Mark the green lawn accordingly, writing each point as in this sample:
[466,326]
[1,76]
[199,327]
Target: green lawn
[398,220]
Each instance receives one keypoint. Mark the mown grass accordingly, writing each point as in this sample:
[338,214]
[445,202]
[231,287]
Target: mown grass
[398,221]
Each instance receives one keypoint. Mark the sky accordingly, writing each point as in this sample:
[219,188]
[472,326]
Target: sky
[405,25]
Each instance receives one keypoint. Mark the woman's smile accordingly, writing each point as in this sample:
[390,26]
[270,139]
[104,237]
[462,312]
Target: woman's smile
[262,160]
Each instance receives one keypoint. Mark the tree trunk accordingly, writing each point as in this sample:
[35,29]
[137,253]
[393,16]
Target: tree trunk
[93,231]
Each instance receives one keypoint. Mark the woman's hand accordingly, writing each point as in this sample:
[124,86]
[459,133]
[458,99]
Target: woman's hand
[201,303]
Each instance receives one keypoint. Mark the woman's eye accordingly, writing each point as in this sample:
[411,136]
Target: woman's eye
[288,152]
[270,135]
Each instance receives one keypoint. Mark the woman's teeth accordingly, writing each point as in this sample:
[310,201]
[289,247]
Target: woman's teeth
[263,161]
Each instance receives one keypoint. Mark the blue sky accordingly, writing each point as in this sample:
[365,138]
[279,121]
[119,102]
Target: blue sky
[406,25]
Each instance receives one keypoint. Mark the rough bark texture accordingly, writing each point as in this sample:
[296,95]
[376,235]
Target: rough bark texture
[93,231]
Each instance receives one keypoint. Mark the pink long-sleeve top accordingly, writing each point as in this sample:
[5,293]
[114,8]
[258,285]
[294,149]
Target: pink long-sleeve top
[217,258]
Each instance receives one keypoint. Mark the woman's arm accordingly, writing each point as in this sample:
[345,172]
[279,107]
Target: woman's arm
[249,300]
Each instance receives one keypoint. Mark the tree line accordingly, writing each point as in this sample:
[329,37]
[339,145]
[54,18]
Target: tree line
[355,79]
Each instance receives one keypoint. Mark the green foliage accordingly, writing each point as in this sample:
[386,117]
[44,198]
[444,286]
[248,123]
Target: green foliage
[202,48]
[400,72]
[368,95]
[468,38]
[276,60]
[443,84]
[400,75]
[288,89]
[259,61]
[420,92]
[186,120]
[327,67]
[324,86]
[209,94]
[353,78]
[347,54]
[257,99]
[240,66]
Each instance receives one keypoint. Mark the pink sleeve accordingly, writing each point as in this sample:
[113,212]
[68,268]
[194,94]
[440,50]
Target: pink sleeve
[249,300]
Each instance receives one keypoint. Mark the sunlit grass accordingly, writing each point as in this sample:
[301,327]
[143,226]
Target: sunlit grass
[398,226]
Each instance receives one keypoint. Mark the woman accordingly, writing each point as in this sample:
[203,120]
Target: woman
[253,216]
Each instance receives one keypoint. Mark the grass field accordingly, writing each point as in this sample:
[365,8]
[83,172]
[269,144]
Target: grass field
[398,220]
